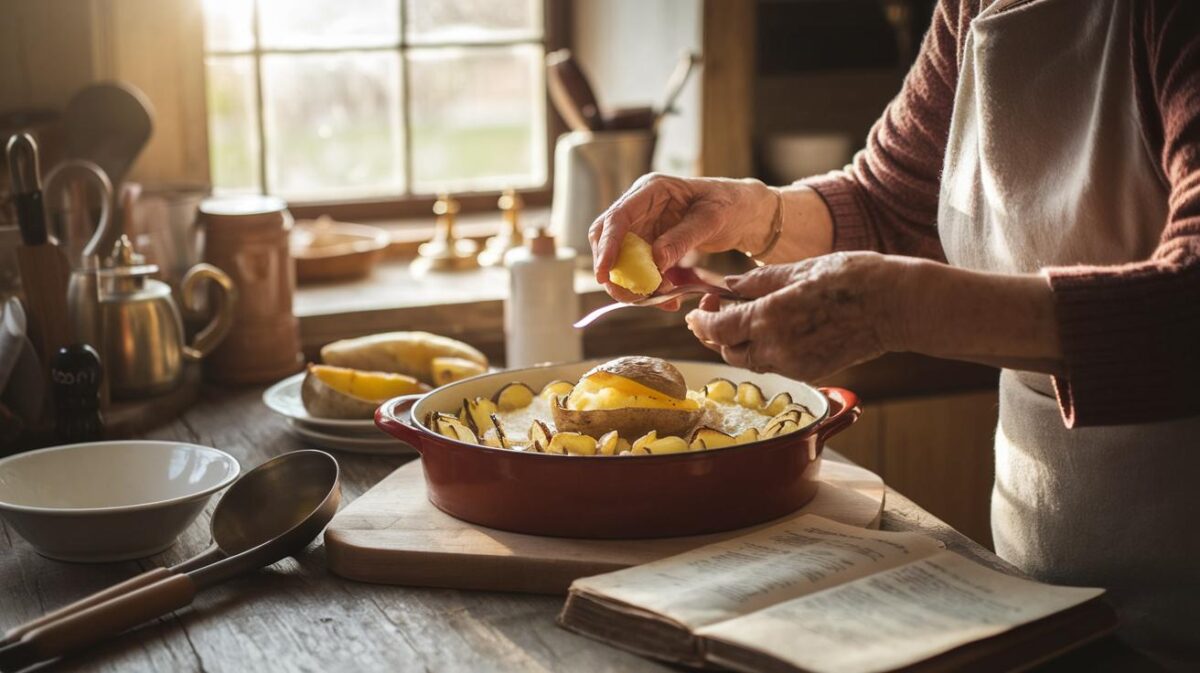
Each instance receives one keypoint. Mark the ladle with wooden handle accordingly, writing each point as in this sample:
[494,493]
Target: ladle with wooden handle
[269,513]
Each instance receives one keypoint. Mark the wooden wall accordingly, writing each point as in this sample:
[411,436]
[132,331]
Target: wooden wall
[49,49]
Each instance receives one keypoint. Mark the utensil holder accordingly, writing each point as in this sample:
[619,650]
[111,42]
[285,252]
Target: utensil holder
[591,170]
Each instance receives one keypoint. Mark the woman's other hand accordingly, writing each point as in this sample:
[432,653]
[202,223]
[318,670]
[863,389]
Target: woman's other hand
[808,319]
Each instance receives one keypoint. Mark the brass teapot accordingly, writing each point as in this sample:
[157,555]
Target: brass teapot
[142,341]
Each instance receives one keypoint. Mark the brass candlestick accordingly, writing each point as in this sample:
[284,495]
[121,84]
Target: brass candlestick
[445,251]
[510,236]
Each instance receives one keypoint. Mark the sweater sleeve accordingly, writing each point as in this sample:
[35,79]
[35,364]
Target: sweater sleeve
[886,199]
[1129,333]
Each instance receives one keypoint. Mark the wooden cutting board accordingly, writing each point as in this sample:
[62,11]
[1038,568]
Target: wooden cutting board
[392,534]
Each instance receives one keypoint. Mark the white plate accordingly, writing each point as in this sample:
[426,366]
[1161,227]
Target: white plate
[284,399]
[382,444]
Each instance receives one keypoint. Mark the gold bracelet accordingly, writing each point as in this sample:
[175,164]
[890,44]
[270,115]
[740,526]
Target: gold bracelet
[776,231]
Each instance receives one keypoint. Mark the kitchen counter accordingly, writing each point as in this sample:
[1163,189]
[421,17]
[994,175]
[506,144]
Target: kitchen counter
[296,615]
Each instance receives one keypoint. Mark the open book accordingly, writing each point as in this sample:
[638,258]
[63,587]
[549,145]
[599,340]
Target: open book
[817,596]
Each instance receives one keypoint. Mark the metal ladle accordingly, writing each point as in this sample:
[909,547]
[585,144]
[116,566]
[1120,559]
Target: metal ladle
[269,513]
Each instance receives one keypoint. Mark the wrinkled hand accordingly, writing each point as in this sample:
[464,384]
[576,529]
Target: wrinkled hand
[809,319]
[677,215]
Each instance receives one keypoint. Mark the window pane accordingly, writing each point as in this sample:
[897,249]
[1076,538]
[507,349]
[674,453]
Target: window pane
[228,25]
[472,20]
[232,123]
[478,118]
[333,124]
[302,24]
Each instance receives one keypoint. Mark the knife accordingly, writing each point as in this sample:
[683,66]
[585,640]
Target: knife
[43,266]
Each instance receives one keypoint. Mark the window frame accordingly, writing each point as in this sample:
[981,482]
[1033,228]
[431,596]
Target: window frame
[555,30]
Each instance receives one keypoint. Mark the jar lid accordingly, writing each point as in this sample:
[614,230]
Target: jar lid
[236,206]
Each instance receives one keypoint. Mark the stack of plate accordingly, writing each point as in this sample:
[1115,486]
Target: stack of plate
[358,436]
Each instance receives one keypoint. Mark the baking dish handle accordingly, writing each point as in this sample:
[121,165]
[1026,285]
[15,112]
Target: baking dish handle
[395,418]
[844,416]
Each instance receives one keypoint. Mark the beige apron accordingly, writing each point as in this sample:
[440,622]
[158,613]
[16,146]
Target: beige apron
[1046,166]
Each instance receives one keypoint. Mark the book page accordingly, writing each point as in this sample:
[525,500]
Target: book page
[738,576]
[897,617]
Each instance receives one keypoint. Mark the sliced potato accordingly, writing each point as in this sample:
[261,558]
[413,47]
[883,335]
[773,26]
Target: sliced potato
[539,433]
[780,428]
[479,414]
[446,370]
[635,269]
[663,445]
[454,429]
[623,445]
[711,438]
[608,444]
[746,436]
[789,415]
[778,404]
[409,353]
[513,396]
[750,396]
[572,443]
[639,445]
[432,418]
[556,389]
[492,438]
[720,390]
[504,443]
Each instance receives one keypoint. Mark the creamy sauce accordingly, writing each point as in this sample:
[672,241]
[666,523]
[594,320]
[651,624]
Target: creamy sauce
[731,417]
[516,423]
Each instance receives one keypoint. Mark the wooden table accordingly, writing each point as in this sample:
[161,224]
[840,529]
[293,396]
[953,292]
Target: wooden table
[297,616]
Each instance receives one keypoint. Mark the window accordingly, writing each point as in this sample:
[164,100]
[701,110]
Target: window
[337,100]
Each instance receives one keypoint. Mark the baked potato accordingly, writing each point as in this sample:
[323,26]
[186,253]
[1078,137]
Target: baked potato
[407,353]
[338,392]
[450,369]
[630,395]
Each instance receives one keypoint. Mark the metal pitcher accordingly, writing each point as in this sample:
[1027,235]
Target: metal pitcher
[142,337]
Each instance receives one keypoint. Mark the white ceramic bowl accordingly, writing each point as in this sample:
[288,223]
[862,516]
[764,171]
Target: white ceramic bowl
[110,501]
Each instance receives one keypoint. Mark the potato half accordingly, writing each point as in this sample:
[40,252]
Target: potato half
[627,422]
[408,353]
[631,395]
[337,392]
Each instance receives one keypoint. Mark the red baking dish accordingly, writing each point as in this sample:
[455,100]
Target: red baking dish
[620,496]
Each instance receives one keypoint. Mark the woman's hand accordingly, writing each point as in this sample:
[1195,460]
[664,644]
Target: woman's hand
[816,317]
[678,215]
[809,319]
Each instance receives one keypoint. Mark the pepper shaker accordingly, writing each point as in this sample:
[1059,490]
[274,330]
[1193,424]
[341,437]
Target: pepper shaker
[75,376]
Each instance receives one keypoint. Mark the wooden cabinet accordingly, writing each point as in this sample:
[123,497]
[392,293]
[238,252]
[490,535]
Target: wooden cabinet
[935,449]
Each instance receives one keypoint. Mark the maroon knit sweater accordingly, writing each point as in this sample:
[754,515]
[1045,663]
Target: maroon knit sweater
[1131,333]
